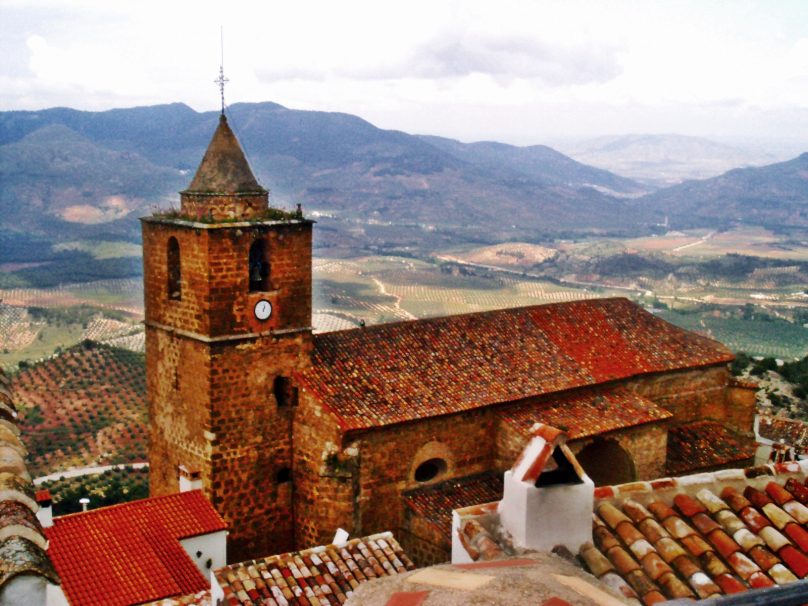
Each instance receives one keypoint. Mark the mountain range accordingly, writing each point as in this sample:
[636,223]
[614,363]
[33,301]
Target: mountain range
[660,160]
[67,174]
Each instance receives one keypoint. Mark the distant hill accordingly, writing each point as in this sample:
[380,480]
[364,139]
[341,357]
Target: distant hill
[774,196]
[538,162]
[84,407]
[662,160]
[67,174]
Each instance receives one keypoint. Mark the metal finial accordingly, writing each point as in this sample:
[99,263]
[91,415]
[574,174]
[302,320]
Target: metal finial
[221,80]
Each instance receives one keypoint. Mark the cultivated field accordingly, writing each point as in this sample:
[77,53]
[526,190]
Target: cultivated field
[83,407]
[753,241]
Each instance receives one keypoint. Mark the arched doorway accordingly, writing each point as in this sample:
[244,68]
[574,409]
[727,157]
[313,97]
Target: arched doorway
[607,463]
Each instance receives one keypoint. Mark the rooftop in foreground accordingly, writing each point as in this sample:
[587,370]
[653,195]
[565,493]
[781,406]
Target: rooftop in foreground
[130,553]
[692,537]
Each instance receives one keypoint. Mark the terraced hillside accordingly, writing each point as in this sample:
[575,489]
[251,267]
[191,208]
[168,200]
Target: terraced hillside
[82,408]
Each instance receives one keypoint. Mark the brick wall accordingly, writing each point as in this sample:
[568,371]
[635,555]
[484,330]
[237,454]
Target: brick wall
[389,457]
[324,475]
[218,207]
[691,395]
[216,299]
[422,540]
[741,405]
[210,375]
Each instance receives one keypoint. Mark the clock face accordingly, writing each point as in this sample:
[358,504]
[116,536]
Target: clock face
[263,309]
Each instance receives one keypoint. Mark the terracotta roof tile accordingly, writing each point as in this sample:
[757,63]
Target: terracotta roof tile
[791,432]
[586,412]
[392,373]
[436,502]
[717,546]
[130,553]
[22,542]
[706,444]
[325,575]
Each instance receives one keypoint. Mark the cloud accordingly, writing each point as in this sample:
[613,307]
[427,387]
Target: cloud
[459,55]
[501,57]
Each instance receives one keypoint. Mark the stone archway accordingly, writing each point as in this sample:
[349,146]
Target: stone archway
[607,463]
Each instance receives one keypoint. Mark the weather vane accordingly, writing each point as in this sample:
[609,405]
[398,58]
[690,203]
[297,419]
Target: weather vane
[221,80]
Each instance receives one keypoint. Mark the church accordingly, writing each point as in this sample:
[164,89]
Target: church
[292,435]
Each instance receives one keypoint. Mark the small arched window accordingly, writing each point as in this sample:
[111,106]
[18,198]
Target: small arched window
[259,266]
[283,391]
[283,476]
[174,270]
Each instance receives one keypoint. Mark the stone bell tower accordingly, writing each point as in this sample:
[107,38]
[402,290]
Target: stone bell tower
[227,284]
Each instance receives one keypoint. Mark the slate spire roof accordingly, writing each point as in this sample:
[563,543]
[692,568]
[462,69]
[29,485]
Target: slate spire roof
[224,168]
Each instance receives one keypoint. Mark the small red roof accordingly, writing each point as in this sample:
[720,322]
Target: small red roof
[130,553]
[392,373]
[436,502]
[584,413]
[707,445]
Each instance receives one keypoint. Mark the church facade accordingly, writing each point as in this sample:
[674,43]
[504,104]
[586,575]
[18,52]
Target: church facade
[292,435]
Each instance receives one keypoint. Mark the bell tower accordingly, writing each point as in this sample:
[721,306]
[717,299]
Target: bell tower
[227,283]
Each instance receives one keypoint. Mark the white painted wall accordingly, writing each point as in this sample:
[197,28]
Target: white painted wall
[55,595]
[459,553]
[211,546]
[541,518]
[31,590]
[216,591]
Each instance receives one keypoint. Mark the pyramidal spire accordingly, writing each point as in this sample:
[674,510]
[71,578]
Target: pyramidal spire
[224,168]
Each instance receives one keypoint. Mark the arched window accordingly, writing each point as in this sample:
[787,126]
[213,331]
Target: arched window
[283,391]
[174,270]
[283,476]
[259,266]
[607,463]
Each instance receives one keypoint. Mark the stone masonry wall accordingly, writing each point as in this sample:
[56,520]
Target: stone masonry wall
[177,373]
[215,299]
[210,376]
[189,312]
[645,444]
[252,442]
[223,207]
[324,476]
[389,457]
[422,540]
[691,395]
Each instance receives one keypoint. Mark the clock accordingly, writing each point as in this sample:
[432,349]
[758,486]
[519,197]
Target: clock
[263,309]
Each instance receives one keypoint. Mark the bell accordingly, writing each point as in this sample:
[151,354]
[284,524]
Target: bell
[255,273]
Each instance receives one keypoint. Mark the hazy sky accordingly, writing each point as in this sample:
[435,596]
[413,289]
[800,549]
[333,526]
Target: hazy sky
[519,71]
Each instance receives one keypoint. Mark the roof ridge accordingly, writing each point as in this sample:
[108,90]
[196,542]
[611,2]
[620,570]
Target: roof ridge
[135,503]
[485,312]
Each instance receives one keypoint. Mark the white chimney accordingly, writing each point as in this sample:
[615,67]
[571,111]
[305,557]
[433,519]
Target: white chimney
[190,479]
[45,512]
[547,498]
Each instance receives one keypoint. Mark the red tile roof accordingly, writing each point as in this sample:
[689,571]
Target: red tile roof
[393,373]
[130,553]
[436,502]
[321,575]
[704,535]
[791,432]
[23,547]
[705,445]
[584,413]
